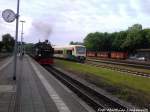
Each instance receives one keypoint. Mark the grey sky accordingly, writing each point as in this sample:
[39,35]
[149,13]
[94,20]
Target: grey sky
[62,21]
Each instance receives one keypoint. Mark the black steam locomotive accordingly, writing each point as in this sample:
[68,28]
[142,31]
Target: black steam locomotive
[43,52]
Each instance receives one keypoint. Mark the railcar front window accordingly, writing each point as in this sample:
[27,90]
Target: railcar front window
[81,50]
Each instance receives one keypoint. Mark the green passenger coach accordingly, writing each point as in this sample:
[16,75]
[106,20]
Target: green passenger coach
[70,52]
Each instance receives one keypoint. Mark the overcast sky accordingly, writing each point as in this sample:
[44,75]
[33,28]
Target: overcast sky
[62,21]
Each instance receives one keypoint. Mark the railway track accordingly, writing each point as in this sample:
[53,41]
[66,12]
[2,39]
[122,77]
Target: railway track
[120,69]
[93,98]
[136,65]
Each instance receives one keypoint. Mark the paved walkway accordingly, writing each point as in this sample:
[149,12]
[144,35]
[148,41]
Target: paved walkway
[7,86]
[35,90]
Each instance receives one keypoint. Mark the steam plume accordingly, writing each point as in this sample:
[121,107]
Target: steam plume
[43,29]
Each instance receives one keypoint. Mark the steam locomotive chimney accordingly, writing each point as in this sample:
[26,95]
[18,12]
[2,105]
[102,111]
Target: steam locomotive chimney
[46,41]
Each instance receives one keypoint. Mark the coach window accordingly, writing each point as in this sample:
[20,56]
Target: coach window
[69,52]
[56,52]
[60,52]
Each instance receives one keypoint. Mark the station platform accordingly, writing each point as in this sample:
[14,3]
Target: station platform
[35,90]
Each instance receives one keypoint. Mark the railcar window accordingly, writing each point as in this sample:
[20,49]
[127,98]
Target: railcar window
[58,52]
[69,52]
[80,50]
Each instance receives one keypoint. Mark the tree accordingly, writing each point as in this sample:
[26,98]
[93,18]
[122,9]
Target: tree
[119,39]
[8,42]
[88,41]
[129,40]
[107,41]
[135,27]
[28,47]
[71,43]
[145,43]
[76,43]
[134,38]
[91,41]
[98,41]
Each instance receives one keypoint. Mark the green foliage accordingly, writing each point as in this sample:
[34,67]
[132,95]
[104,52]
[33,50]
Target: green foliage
[89,40]
[129,40]
[145,43]
[28,47]
[76,43]
[135,27]
[98,41]
[8,42]
[119,39]
[134,38]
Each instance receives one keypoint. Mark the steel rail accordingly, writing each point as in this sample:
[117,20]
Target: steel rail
[136,65]
[97,63]
[93,98]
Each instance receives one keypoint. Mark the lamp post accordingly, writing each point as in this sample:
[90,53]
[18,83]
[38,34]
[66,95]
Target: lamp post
[15,51]
[22,37]
[9,16]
